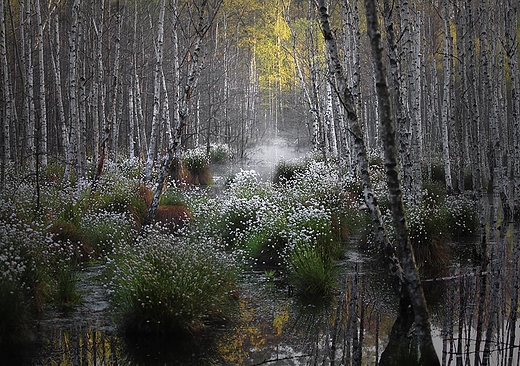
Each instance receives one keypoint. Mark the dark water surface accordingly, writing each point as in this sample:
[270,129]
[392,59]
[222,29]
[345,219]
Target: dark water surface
[471,304]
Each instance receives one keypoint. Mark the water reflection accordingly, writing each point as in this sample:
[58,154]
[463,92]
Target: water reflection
[473,308]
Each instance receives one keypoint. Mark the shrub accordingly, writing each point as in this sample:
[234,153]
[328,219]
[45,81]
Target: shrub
[104,230]
[162,284]
[23,279]
[428,235]
[71,240]
[220,153]
[195,163]
[264,239]
[285,171]
[461,216]
[195,160]
[310,273]
[237,217]
[172,197]
[247,184]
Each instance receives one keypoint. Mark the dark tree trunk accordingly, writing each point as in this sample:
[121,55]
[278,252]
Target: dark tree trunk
[413,285]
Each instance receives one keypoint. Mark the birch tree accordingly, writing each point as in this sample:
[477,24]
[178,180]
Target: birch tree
[42,93]
[7,112]
[202,25]
[55,62]
[73,98]
[150,156]
[112,119]
[29,114]
[413,285]
[447,89]
[511,46]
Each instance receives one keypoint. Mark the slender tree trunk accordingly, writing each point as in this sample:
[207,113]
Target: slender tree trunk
[511,44]
[112,119]
[131,123]
[150,157]
[348,104]
[175,67]
[194,70]
[413,284]
[143,145]
[73,98]
[303,85]
[415,82]
[42,91]
[7,119]
[29,86]
[55,57]
[446,108]
[81,167]
[166,111]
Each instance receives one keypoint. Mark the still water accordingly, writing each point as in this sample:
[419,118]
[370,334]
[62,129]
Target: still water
[472,305]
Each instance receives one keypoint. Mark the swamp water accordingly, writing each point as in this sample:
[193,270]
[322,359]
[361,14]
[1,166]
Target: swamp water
[473,317]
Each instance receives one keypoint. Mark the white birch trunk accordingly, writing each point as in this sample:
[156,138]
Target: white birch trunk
[142,144]
[348,104]
[42,91]
[174,149]
[150,157]
[166,111]
[131,123]
[175,70]
[328,121]
[414,72]
[511,10]
[6,85]
[474,104]
[412,282]
[81,167]
[305,90]
[101,131]
[402,78]
[29,87]
[55,57]
[446,107]
[113,121]
[73,99]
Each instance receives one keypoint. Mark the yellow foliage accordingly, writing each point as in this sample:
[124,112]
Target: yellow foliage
[234,347]
[281,318]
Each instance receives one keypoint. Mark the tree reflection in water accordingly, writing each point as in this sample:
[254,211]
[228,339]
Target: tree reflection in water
[473,307]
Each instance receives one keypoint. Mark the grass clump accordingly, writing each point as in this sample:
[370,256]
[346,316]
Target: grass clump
[24,279]
[313,251]
[285,171]
[220,153]
[196,167]
[164,284]
[104,231]
[461,216]
[311,273]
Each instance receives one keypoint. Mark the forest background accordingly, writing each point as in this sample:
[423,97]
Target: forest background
[81,80]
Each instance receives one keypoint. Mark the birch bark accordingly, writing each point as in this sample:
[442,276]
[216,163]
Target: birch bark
[42,91]
[6,85]
[446,108]
[113,121]
[29,86]
[55,57]
[428,355]
[73,99]
[194,70]
[348,104]
[150,157]
[131,123]
[511,9]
